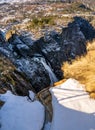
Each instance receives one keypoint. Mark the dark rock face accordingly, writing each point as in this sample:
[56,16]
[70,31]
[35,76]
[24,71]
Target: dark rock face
[51,50]
[26,38]
[74,42]
[2,37]
[12,79]
[85,27]
[35,72]
[39,62]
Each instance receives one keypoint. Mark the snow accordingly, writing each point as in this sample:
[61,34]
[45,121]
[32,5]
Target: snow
[47,126]
[72,110]
[72,107]
[18,113]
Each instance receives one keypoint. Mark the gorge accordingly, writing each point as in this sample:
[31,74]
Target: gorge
[37,63]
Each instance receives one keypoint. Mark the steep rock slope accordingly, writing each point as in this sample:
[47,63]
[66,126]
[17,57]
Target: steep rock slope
[40,61]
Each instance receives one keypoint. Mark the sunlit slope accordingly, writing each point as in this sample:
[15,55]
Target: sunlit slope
[83,69]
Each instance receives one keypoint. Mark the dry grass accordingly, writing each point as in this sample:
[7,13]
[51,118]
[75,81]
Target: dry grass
[83,69]
[59,82]
[6,68]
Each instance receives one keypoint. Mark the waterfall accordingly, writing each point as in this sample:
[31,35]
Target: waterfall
[52,76]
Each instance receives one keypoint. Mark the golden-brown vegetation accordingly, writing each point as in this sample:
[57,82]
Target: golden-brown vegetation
[83,69]
[6,68]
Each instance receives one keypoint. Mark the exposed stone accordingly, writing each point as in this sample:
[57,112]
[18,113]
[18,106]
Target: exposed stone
[39,62]
[12,79]
[35,72]
[51,50]
[74,42]
[2,37]
[85,27]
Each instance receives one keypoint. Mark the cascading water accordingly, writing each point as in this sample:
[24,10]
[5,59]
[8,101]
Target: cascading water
[52,76]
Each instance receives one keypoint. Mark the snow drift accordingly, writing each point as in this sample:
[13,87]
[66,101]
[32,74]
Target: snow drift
[72,107]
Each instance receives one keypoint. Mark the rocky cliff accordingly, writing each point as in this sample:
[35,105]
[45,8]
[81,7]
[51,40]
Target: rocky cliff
[34,65]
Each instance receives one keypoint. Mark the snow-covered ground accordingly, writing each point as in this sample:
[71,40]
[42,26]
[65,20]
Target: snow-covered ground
[72,107]
[72,110]
[19,113]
